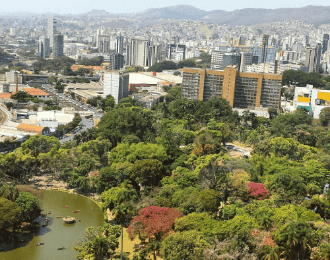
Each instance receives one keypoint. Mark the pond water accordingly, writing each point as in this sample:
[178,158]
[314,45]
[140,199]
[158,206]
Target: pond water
[58,234]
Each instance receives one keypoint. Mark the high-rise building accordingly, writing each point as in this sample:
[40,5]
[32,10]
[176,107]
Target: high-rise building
[325,43]
[217,59]
[58,44]
[103,43]
[139,52]
[43,46]
[51,30]
[12,31]
[242,90]
[246,59]
[116,61]
[128,49]
[264,47]
[120,44]
[161,53]
[115,83]
[313,58]
[220,59]
[307,40]
[176,51]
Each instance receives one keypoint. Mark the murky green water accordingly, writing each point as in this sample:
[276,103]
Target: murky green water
[58,234]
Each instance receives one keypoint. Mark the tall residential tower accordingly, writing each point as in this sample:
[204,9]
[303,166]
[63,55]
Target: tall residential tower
[51,30]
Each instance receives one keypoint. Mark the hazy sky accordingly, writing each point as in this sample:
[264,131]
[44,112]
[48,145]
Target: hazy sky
[129,6]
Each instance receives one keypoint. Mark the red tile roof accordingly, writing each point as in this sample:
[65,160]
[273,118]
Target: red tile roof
[5,95]
[30,128]
[35,92]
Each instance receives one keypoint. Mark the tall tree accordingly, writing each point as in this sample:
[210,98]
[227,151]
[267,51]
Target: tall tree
[158,222]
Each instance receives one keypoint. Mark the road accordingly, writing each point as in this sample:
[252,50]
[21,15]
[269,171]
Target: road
[85,124]
[67,100]
[5,115]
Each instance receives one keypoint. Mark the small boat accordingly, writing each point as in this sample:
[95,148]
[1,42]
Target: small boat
[59,216]
[49,213]
[47,219]
[69,220]
[61,248]
[66,206]
[76,211]
[39,244]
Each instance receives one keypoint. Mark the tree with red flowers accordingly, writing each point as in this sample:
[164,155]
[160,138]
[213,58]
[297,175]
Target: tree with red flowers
[157,223]
[258,191]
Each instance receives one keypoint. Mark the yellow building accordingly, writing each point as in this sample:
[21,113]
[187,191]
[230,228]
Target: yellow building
[242,90]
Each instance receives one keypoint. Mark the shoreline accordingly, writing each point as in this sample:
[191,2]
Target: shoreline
[24,237]
[48,182]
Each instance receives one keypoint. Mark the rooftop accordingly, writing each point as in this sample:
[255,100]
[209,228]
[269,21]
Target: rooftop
[35,92]
[32,128]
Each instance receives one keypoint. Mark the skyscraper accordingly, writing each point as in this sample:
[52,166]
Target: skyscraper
[51,30]
[43,46]
[325,43]
[58,44]
[103,43]
[116,61]
[174,50]
[264,48]
[139,50]
[313,58]
[120,44]
[246,59]
[115,84]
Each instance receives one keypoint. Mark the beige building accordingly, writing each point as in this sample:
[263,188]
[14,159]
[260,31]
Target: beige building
[242,90]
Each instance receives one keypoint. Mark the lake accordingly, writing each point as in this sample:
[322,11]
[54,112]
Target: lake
[58,234]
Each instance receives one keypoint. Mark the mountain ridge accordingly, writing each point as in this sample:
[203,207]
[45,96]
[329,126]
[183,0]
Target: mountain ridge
[248,16]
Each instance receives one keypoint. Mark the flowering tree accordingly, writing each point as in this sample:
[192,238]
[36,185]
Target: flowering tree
[157,223]
[258,191]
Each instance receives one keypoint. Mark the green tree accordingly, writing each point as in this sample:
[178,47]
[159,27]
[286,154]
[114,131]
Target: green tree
[9,105]
[165,65]
[29,205]
[10,217]
[325,116]
[187,63]
[210,200]
[118,200]
[9,192]
[98,243]
[188,245]
[272,112]
[296,239]
[133,120]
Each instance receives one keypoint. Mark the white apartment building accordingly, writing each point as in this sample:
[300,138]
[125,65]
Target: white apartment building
[116,83]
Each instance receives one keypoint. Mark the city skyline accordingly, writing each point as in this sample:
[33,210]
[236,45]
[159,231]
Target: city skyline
[130,6]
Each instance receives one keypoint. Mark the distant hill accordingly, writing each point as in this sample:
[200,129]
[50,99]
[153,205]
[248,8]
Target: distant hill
[184,12]
[250,16]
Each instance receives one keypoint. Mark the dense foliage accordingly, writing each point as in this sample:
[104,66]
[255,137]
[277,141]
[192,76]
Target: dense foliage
[182,178]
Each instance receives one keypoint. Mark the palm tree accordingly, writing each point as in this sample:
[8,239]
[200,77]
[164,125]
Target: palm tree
[121,213]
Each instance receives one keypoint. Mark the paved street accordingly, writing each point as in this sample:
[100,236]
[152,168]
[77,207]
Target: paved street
[66,100]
